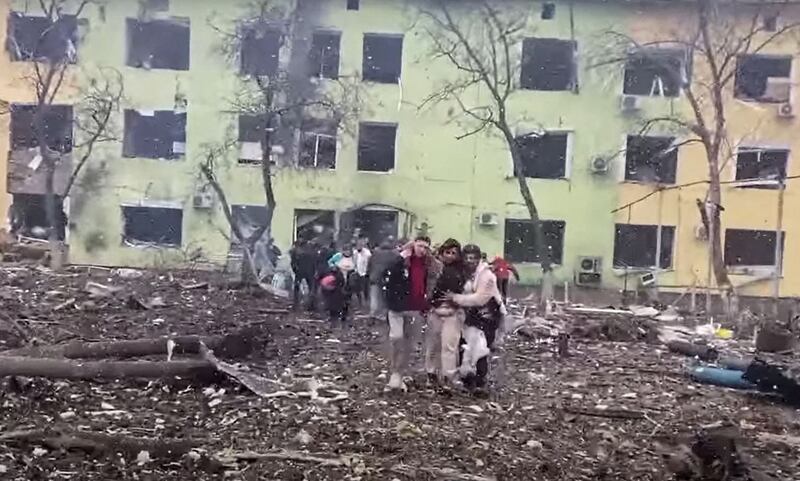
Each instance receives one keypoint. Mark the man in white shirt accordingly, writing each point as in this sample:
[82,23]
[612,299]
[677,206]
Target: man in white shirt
[361,256]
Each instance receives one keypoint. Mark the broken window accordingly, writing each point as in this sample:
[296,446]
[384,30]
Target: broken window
[763,78]
[313,224]
[249,218]
[548,64]
[28,216]
[376,147]
[260,53]
[383,58]
[544,156]
[159,44]
[750,247]
[154,134]
[761,165]
[643,246]
[353,4]
[38,38]
[323,58]
[57,126]
[520,240]
[548,11]
[650,159]
[655,72]
[318,145]
[373,224]
[252,129]
[152,225]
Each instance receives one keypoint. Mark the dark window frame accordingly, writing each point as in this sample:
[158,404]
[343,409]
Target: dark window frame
[627,255]
[751,78]
[324,58]
[656,63]
[353,5]
[159,52]
[535,167]
[537,72]
[324,136]
[171,236]
[553,230]
[134,126]
[664,160]
[369,165]
[738,261]
[24,137]
[260,53]
[760,182]
[250,129]
[320,214]
[52,38]
[392,70]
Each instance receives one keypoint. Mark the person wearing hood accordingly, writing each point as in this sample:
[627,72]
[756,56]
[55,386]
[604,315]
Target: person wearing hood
[445,320]
[484,312]
[336,289]
[410,281]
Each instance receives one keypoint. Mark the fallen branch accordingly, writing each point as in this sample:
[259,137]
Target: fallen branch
[69,369]
[62,438]
[233,345]
[605,413]
[16,327]
[347,461]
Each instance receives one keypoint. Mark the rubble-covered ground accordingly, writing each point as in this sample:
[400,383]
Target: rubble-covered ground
[609,411]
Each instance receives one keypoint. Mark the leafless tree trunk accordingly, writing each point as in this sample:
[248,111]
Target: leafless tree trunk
[721,35]
[485,55]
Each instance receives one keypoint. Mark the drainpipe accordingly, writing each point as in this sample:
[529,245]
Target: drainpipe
[776,279]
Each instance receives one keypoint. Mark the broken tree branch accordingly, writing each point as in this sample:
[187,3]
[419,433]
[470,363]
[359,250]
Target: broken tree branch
[69,369]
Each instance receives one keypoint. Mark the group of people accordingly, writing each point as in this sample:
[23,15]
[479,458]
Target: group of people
[452,290]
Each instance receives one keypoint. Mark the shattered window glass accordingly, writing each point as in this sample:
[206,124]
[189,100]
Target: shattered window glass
[157,134]
[39,38]
[745,247]
[57,127]
[376,144]
[260,53]
[544,156]
[153,225]
[639,246]
[520,240]
[323,57]
[548,64]
[383,58]
[159,44]
[761,164]
[650,159]
[655,72]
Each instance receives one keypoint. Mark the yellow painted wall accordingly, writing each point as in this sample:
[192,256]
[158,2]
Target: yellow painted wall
[16,87]
[749,124]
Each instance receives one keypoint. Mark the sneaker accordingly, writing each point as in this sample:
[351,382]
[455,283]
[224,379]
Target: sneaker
[396,383]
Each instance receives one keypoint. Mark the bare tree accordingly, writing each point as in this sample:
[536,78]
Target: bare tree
[280,96]
[713,40]
[482,39]
[53,60]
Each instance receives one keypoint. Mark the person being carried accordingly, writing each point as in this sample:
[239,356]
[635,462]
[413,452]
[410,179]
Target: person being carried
[446,319]
[410,280]
[484,312]
[503,270]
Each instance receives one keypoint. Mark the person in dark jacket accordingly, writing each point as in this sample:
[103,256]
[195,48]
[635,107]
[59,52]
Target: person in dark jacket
[409,285]
[445,320]
[383,257]
[336,288]
[303,257]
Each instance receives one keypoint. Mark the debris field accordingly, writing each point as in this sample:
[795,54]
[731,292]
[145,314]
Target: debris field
[291,398]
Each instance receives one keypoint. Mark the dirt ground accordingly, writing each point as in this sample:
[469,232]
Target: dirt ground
[547,418]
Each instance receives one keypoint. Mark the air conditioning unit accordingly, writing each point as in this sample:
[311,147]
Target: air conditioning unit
[700,232]
[589,271]
[488,219]
[785,110]
[203,199]
[647,279]
[599,165]
[629,104]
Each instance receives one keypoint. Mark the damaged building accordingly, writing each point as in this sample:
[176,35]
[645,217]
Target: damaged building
[396,170]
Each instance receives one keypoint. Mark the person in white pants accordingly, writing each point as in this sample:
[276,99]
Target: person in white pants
[446,319]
